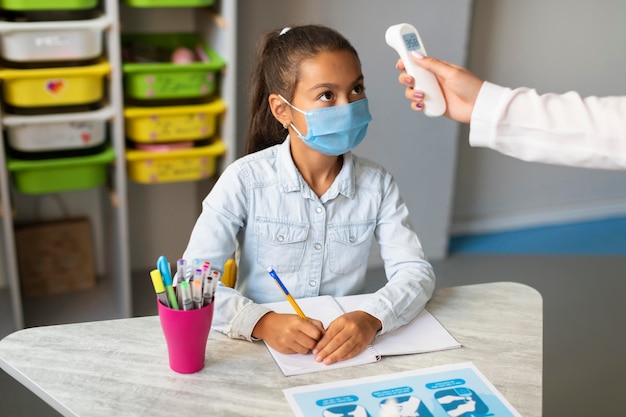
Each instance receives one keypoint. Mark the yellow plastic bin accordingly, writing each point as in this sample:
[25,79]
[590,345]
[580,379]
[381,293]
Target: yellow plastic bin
[172,123]
[152,167]
[54,87]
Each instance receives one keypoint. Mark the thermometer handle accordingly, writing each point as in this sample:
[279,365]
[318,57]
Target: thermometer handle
[404,38]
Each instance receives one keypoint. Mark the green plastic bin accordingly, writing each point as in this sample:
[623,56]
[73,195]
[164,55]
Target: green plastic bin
[27,5]
[60,174]
[163,80]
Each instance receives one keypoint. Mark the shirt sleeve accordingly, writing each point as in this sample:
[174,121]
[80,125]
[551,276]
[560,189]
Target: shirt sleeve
[213,238]
[410,277]
[563,129]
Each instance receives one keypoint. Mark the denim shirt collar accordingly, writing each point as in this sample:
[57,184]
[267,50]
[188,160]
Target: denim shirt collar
[291,179]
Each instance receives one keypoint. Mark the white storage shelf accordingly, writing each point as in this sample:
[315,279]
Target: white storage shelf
[107,207]
[37,42]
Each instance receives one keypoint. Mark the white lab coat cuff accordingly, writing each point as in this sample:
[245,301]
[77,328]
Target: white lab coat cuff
[485,115]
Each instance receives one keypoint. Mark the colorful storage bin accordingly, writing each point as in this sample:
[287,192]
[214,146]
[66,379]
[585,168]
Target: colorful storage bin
[172,123]
[26,5]
[176,165]
[57,132]
[168,3]
[60,174]
[53,87]
[52,41]
[163,79]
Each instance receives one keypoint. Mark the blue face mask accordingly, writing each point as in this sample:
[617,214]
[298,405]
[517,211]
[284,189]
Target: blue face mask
[335,130]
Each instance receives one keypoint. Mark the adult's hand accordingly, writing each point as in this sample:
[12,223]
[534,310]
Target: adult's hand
[459,86]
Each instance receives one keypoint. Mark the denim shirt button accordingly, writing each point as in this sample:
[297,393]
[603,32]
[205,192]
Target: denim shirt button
[318,246]
[312,283]
[318,210]
[280,238]
[352,239]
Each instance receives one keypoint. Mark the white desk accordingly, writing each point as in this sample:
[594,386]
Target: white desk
[120,367]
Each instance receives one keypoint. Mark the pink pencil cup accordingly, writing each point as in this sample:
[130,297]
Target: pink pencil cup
[186,334]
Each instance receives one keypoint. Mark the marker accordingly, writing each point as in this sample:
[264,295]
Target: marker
[207,292]
[195,264]
[181,268]
[198,274]
[164,268]
[289,297]
[187,300]
[229,277]
[196,293]
[159,289]
[206,268]
[168,290]
[179,294]
[216,278]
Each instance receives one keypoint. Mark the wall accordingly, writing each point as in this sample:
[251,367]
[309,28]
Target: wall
[553,46]
[419,151]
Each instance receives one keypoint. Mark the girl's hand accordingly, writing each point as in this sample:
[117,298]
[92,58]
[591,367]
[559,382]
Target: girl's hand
[288,333]
[347,336]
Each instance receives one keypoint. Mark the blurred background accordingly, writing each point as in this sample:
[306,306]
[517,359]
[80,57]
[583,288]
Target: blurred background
[481,216]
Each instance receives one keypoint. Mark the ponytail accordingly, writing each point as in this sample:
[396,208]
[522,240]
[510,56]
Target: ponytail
[263,130]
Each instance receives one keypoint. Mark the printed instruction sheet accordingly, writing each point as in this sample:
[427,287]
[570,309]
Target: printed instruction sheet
[457,390]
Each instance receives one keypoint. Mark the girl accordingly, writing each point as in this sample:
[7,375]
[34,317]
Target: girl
[303,204]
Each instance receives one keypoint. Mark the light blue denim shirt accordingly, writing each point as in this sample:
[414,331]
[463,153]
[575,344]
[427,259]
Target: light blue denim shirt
[262,208]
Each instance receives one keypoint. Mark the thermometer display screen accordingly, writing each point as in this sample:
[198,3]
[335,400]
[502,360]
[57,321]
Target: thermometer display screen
[411,42]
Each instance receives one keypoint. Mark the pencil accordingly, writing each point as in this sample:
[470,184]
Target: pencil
[289,297]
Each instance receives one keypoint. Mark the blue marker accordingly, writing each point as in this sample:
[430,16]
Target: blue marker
[164,268]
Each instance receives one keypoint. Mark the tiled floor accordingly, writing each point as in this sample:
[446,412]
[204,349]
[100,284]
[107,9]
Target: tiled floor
[584,333]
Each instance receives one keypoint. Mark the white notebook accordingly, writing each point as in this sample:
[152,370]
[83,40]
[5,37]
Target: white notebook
[423,334]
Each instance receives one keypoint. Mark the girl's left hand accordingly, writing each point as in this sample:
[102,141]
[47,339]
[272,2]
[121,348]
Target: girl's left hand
[346,336]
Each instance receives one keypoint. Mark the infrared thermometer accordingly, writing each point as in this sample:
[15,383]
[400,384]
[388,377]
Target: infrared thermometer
[404,39]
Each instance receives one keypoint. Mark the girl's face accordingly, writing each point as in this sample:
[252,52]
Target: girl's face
[326,80]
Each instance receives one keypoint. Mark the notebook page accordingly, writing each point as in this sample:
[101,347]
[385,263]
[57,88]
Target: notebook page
[423,334]
[325,309]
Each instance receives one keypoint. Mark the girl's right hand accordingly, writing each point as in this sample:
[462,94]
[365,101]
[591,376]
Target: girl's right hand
[288,333]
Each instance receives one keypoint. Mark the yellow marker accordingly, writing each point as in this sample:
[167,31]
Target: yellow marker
[229,277]
[159,288]
[171,295]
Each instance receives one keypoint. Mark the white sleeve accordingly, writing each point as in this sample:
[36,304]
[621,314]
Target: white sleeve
[563,129]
